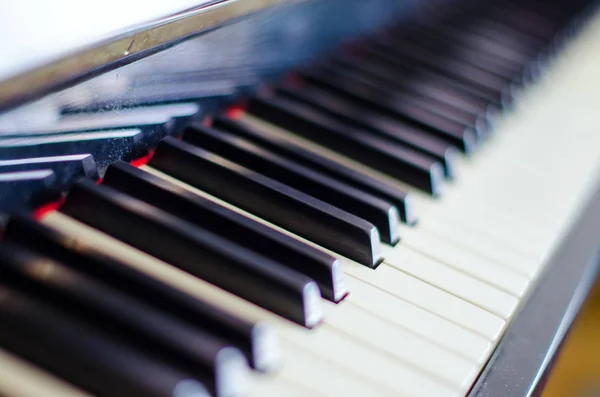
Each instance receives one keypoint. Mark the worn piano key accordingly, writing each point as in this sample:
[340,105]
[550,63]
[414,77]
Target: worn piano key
[256,340]
[304,215]
[340,348]
[378,123]
[83,355]
[220,367]
[23,379]
[25,188]
[168,196]
[401,163]
[66,168]
[378,212]
[414,107]
[104,146]
[278,144]
[197,251]
[371,95]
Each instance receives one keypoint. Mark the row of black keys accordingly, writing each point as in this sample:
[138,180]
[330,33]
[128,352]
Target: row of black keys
[86,299]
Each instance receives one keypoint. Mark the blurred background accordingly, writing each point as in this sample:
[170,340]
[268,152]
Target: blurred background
[577,370]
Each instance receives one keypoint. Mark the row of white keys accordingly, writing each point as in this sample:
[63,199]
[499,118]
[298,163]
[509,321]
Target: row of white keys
[18,378]
[311,357]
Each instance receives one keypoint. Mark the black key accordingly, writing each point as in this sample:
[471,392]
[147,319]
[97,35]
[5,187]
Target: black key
[255,340]
[196,251]
[25,189]
[429,59]
[270,200]
[217,365]
[457,52]
[458,134]
[506,50]
[66,168]
[253,235]
[105,146]
[378,123]
[177,114]
[495,87]
[277,144]
[376,58]
[416,107]
[370,208]
[426,85]
[82,355]
[403,164]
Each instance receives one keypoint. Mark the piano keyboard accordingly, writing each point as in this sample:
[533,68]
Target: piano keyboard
[369,227]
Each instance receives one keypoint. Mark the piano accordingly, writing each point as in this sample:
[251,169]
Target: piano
[271,198]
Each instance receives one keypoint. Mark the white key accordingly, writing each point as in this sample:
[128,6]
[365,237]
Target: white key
[346,352]
[481,244]
[430,298]
[422,322]
[465,261]
[402,344]
[19,378]
[262,385]
[321,375]
[506,228]
[446,278]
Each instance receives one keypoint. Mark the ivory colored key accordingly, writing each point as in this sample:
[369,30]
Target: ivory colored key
[403,344]
[324,342]
[263,386]
[512,257]
[19,378]
[432,299]
[454,282]
[467,262]
[422,322]
[399,284]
